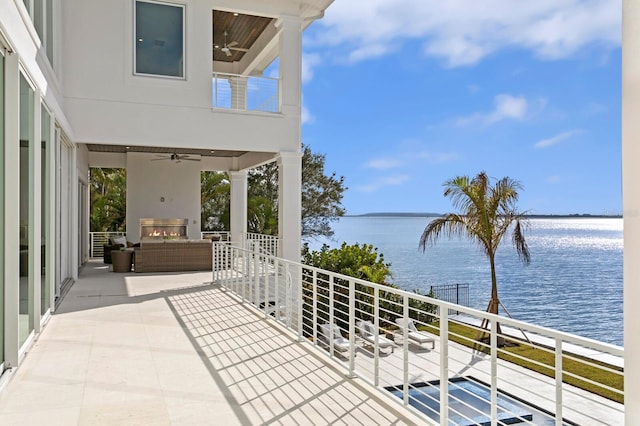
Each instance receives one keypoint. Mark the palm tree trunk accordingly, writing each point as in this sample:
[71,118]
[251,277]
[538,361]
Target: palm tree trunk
[494,301]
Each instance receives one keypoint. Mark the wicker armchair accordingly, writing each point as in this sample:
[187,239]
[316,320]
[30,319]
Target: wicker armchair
[107,251]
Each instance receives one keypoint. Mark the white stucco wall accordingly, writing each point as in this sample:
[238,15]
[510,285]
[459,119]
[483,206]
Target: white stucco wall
[106,103]
[148,181]
[82,163]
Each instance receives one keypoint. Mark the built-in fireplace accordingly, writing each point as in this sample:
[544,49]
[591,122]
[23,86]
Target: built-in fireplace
[163,229]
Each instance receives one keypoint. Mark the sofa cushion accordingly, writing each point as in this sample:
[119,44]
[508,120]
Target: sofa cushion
[120,239]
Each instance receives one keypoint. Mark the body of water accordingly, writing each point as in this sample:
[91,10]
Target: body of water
[574,282]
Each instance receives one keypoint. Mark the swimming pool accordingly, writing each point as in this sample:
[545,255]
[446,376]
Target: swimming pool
[470,403]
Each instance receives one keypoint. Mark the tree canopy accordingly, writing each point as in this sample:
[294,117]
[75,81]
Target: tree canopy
[359,261]
[321,198]
[108,195]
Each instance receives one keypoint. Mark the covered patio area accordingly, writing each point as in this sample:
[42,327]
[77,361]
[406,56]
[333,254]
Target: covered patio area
[176,349]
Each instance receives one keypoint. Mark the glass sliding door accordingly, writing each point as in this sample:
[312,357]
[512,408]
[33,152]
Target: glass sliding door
[45,216]
[26,249]
[2,283]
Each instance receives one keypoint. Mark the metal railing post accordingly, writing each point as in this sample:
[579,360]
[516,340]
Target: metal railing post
[494,372]
[444,367]
[405,349]
[558,378]
[214,264]
[352,328]
[314,304]
[276,290]
[376,319]
[266,292]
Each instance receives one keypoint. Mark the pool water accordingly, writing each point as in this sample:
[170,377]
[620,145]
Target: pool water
[470,403]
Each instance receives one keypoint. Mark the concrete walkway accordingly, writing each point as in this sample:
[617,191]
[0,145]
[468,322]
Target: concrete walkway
[172,349]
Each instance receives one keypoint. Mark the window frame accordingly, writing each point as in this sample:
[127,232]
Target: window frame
[183,8]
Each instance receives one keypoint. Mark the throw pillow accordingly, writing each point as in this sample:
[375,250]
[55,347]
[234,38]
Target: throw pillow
[120,240]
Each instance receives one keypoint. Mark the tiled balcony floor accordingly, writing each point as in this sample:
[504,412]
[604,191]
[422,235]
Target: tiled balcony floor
[172,349]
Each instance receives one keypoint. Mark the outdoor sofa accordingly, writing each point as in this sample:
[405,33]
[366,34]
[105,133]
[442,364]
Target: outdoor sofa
[173,256]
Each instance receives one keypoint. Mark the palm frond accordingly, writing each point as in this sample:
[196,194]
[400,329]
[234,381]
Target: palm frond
[520,244]
[449,225]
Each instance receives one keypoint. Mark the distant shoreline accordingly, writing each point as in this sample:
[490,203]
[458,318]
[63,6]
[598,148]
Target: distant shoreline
[531,216]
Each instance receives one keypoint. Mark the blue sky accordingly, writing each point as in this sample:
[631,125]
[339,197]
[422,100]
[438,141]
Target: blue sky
[401,96]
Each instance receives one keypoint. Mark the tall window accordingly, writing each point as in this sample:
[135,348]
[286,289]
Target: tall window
[26,249]
[159,39]
[1,210]
[45,216]
[41,12]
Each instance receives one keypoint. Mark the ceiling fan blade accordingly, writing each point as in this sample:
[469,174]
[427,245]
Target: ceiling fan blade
[233,43]
[239,49]
[226,51]
[189,159]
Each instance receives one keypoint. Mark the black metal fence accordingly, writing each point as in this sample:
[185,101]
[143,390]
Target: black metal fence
[452,293]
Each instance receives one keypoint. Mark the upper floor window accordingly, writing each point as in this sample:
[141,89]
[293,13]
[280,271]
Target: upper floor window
[41,13]
[159,39]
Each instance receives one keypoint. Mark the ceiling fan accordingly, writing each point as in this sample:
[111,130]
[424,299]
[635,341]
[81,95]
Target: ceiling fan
[228,47]
[176,158]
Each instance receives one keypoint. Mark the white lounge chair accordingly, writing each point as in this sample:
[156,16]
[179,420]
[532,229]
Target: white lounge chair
[368,334]
[340,344]
[414,335]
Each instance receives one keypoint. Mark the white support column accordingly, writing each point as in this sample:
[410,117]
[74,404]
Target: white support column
[75,228]
[11,210]
[238,92]
[238,213]
[35,211]
[631,204]
[289,205]
[290,55]
[51,212]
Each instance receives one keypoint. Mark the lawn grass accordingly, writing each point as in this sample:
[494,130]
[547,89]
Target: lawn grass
[538,358]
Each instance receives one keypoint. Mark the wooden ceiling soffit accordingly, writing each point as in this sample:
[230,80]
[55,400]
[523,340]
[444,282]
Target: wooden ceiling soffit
[242,31]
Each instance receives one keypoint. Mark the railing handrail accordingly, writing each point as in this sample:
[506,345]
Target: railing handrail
[97,239]
[325,296]
[262,97]
[231,75]
[579,340]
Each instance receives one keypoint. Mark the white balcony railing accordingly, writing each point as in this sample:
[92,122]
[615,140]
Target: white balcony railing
[243,93]
[266,244]
[223,236]
[97,240]
[547,377]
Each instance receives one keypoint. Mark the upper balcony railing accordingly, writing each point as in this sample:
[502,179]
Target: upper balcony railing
[453,371]
[245,93]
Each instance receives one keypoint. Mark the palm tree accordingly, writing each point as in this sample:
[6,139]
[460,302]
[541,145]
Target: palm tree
[487,214]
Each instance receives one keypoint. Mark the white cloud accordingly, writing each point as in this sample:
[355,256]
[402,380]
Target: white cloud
[437,157]
[305,115]
[309,61]
[506,107]
[473,88]
[382,163]
[463,32]
[383,182]
[595,108]
[554,140]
